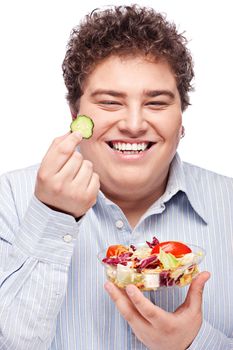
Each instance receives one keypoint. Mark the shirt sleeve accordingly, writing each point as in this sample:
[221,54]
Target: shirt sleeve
[35,254]
[209,338]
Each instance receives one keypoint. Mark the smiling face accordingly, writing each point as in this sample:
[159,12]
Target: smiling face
[136,109]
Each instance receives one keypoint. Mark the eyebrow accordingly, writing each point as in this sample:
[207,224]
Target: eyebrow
[148,93]
[108,92]
[155,93]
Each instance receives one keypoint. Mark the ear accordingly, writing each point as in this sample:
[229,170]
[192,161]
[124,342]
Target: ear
[182,132]
[73,111]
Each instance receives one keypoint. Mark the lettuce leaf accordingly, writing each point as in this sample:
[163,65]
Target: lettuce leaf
[168,260]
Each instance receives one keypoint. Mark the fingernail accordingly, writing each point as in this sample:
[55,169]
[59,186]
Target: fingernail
[130,290]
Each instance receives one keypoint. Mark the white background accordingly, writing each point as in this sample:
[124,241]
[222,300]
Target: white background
[33,110]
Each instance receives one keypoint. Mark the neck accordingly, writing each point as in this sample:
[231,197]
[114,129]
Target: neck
[135,204]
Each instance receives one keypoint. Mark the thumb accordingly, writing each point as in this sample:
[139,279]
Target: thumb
[194,297]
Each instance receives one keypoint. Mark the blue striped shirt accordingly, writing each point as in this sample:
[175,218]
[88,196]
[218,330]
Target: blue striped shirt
[51,282]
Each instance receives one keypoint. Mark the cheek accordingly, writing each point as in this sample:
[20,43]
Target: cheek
[170,128]
[102,122]
[88,152]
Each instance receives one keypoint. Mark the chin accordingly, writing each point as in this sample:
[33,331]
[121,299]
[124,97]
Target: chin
[129,186]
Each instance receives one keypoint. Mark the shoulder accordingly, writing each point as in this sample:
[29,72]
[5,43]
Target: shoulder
[200,173]
[27,170]
[208,181]
[212,192]
[24,173]
[19,183]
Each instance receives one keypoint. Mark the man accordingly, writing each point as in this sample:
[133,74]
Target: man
[130,70]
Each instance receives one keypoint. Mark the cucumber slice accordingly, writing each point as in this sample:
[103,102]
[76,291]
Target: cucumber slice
[84,125]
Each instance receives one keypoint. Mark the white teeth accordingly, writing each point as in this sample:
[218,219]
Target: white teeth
[121,146]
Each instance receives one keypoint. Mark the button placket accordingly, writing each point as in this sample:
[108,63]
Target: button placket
[119,224]
[67,238]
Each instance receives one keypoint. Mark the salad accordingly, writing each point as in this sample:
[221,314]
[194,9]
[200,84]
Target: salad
[152,265]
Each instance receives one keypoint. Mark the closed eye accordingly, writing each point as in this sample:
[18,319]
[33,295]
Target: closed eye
[108,102]
[110,105]
[156,103]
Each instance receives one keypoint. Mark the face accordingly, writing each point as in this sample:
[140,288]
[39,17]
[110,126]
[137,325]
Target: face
[136,109]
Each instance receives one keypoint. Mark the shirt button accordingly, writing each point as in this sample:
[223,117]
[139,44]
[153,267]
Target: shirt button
[119,223]
[67,238]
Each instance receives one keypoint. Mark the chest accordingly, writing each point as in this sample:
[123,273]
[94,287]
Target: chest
[88,316]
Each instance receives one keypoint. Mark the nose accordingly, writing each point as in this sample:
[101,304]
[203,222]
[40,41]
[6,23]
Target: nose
[133,123]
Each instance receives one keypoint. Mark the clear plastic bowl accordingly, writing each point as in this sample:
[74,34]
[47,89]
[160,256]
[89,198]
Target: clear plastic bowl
[152,279]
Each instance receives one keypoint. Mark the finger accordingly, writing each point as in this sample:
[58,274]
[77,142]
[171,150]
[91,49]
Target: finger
[60,151]
[58,139]
[84,174]
[71,167]
[194,297]
[145,307]
[94,185]
[124,305]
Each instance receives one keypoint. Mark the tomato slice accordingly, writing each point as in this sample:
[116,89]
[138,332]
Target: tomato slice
[178,249]
[115,250]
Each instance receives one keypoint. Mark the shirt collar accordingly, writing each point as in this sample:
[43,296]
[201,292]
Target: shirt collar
[182,180]
[178,180]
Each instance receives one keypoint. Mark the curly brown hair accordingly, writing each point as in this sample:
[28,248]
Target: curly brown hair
[125,30]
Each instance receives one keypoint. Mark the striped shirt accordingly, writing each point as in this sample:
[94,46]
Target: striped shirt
[51,282]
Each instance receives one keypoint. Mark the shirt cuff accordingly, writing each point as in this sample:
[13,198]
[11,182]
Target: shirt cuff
[209,338]
[46,234]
